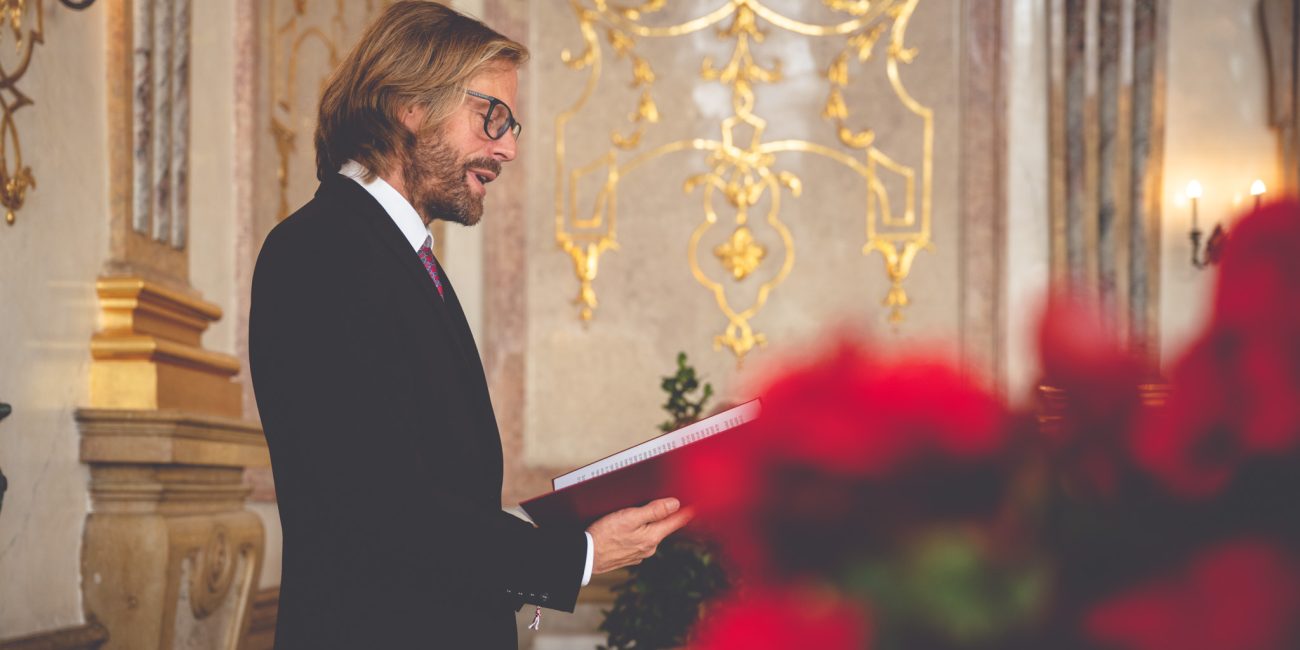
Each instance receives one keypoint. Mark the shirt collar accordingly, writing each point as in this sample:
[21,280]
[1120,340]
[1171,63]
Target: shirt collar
[398,208]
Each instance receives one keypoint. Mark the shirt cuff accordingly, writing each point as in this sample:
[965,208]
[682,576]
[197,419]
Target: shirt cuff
[591,556]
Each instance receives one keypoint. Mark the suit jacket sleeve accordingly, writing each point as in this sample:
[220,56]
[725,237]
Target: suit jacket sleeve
[346,448]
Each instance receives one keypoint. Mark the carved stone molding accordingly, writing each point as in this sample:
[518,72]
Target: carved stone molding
[170,558]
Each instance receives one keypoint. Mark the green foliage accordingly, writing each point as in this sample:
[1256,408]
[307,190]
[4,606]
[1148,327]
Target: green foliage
[949,585]
[660,601]
[681,410]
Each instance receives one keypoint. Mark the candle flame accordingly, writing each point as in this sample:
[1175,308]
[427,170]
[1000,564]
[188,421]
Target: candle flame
[1194,190]
[1257,188]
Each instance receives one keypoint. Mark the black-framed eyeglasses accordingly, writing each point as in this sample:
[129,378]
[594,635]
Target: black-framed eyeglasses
[499,119]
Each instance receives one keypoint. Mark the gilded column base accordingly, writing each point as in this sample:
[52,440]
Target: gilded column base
[170,559]
[148,353]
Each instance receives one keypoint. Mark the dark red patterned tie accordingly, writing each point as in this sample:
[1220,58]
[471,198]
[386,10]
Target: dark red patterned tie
[426,256]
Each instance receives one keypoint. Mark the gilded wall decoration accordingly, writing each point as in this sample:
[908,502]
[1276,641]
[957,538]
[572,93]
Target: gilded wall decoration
[28,31]
[300,25]
[742,165]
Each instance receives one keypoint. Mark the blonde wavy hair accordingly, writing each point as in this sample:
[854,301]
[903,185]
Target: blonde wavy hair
[415,53]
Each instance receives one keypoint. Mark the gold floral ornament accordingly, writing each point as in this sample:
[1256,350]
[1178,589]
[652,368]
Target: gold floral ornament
[742,170]
[740,254]
[15,180]
[897,237]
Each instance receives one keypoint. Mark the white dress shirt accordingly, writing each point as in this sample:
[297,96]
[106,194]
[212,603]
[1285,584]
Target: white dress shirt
[416,232]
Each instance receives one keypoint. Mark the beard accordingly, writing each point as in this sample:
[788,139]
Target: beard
[436,178]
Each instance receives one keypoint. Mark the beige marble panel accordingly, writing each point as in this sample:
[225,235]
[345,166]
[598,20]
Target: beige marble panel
[1027,236]
[48,263]
[213,165]
[594,389]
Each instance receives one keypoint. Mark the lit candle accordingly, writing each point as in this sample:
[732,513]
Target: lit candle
[1194,193]
[1257,190]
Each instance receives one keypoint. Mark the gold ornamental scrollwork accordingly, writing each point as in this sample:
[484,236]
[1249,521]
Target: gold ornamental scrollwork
[742,165]
[295,30]
[15,177]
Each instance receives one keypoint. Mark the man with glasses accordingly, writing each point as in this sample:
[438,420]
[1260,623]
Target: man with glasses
[383,441]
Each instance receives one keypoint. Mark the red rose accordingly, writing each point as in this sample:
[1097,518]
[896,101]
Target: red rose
[784,620]
[1242,595]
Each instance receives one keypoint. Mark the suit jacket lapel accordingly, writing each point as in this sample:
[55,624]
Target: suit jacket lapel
[465,338]
[381,225]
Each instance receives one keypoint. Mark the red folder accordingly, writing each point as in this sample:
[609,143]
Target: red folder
[632,477]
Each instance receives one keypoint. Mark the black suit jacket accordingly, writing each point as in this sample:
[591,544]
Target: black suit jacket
[384,446]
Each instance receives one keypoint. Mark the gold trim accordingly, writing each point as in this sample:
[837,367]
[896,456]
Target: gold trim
[149,348]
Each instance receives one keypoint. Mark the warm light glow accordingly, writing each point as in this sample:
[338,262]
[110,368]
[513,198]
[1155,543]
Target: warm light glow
[1194,190]
[1257,188]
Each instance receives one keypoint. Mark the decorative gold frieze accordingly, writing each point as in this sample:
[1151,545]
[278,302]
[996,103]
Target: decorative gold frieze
[742,171]
[147,353]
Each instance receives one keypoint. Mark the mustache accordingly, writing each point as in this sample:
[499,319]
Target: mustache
[486,164]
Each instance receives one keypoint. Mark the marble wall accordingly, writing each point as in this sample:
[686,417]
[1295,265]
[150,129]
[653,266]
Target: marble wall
[48,263]
[650,304]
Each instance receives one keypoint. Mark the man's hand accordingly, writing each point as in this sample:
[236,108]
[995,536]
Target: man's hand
[626,537]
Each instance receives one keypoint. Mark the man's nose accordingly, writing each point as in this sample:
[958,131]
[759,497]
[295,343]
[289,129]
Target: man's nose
[504,148]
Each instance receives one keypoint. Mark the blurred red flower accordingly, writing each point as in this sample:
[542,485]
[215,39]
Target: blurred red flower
[849,413]
[782,620]
[1259,275]
[1242,595]
[1190,443]
[1257,303]
[1098,401]
[1236,391]
[844,420]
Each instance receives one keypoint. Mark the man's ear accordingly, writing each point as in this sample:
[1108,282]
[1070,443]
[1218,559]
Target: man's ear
[412,116]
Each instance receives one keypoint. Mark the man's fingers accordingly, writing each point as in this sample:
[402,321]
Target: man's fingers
[656,510]
[666,526]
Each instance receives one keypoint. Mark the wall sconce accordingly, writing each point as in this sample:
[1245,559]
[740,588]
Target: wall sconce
[1213,246]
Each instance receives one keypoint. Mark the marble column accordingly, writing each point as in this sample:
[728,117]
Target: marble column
[1106,135]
